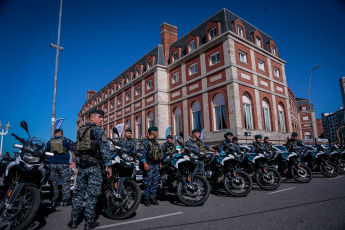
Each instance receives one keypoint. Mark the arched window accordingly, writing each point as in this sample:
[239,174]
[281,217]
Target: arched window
[177,121]
[247,112]
[281,118]
[138,126]
[267,117]
[219,112]
[307,135]
[150,120]
[196,115]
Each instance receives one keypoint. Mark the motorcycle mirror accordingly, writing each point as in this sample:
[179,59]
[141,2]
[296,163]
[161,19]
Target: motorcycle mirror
[116,131]
[24,125]
[181,134]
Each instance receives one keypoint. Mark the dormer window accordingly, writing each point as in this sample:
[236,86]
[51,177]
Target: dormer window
[128,78]
[191,46]
[174,56]
[274,52]
[138,72]
[212,33]
[149,64]
[119,84]
[258,41]
[240,31]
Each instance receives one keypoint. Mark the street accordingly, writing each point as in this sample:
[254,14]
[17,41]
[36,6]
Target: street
[317,205]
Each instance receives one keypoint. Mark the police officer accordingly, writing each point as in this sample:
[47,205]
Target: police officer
[259,147]
[93,148]
[128,144]
[268,144]
[293,142]
[169,147]
[226,145]
[60,166]
[235,144]
[197,146]
[151,159]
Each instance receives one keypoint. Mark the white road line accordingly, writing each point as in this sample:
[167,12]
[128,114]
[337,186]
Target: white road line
[281,190]
[140,220]
[335,178]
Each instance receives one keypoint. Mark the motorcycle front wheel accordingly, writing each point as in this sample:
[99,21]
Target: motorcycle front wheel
[240,186]
[123,206]
[302,173]
[329,169]
[269,180]
[341,166]
[195,194]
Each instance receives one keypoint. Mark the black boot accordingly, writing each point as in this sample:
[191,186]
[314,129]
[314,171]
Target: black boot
[73,222]
[90,224]
[147,202]
[67,202]
[154,202]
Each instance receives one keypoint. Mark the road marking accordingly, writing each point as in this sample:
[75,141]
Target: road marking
[281,190]
[140,220]
[335,178]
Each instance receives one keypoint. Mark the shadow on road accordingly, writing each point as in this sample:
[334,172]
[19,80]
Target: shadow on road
[41,217]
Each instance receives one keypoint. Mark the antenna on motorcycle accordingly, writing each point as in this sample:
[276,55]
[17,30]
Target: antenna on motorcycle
[116,131]
[25,127]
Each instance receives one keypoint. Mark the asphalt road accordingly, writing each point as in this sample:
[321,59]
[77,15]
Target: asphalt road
[319,204]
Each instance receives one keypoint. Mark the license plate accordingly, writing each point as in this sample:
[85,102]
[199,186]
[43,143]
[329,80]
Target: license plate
[139,177]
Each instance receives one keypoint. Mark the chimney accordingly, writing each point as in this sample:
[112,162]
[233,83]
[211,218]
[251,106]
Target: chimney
[168,37]
[90,93]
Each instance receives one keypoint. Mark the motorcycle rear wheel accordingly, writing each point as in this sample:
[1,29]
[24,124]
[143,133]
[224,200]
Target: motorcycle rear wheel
[302,174]
[270,180]
[329,170]
[196,196]
[119,209]
[239,188]
[341,166]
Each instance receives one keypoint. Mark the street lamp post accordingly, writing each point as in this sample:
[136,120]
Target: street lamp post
[311,117]
[58,48]
[3,133]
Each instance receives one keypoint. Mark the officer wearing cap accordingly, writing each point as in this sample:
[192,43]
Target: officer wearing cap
[235,144]
[226,145]
[293,142]
[60,166]
[151,159]
[93,147]
[268,144]
[198,147]
[169,147]
[259,147]
[128,144]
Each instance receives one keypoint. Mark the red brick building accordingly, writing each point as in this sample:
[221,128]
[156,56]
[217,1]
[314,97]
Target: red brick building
[224,75]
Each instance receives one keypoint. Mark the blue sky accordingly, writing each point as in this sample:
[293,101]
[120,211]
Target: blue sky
[102,38]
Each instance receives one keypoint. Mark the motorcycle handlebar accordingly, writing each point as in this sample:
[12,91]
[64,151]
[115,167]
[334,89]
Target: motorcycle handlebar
[21,140]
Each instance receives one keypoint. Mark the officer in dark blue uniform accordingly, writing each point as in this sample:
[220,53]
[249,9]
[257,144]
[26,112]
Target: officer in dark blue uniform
[93,147]
[60,166]
[259,147]
[226,145]
[128,144]
[151,158]
[235,144]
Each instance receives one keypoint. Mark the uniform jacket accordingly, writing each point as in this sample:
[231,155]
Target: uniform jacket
[291,143]
[192,146]
[145,150]
[128,145]
[166,147]
[61,158]
[226,146]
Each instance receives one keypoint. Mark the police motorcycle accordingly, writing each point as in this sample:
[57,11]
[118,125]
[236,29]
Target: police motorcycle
[290,164]
[178,176]
[336,157]
[317,159]
[121,193]
[259,166]
[23,181]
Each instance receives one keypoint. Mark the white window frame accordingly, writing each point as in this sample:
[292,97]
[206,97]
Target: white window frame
[193,69]
[274,51]
[138,91]
[119,101]
[176,77]
[149,84]
[267,115]
[281,118]
[216,119]
[307,135]
[150,121]
[149,64]
[212,33]
[243,56]
[190,47]
[138,126]
[305,118]
[240,31]
[261,64]
[138,72]
[258,41]
[174,56]
[105,109]
[247,106]
[276,72]
[177,121]
[128,78]
[198,111]
[112,105]
[128,96]
[217,60]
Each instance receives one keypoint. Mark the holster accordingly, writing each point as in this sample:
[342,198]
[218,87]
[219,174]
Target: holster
[87,161]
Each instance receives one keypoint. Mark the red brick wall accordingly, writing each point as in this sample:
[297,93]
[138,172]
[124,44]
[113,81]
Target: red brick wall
[216,48]
[191,62]
[209,78]
[245,49]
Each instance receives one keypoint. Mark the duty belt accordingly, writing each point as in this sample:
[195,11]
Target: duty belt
[87,160]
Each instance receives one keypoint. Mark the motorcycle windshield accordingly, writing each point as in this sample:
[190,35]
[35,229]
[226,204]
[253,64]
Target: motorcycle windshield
[35,146]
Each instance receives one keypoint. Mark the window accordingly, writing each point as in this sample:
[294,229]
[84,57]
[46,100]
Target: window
[106,109]
[305,118]
[193,69]
[214,58]
[150,120]
[304,108]
[111,132]
[261,65]
[276,72]
[138,127]
[267,118]
[119,84]
[175,77]
[196,115]
[243,57]
[307,135]
[240,31]
[149,64]
[174,56]
[119,101]
[191,46]
[112,105]
[274,52]
[138,72]
[177,121]
[112,90]
[281,118]
[219,112]
[258,41]
[149,84]
[212,33]
[137,90]
[128,124]
[128,78]
[128,96]
[247,112]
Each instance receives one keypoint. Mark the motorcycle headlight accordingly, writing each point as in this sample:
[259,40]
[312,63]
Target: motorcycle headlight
[30,159]
[193,156]
[126,158]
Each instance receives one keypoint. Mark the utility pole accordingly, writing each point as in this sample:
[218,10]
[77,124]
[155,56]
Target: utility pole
[311,116]
[58,48]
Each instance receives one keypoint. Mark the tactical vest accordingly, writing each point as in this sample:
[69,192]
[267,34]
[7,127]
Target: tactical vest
[170,149]
[86,141]
[200,145]
[228,146]
[156,152]
[268,146]
[56,145]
